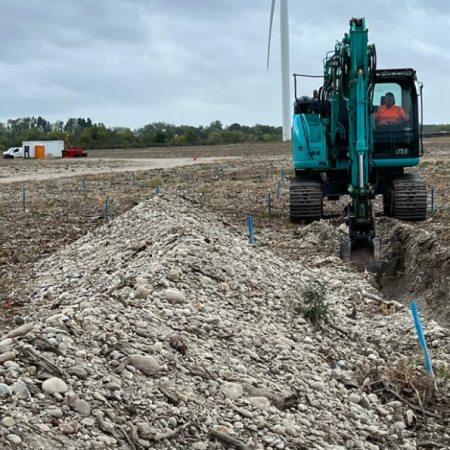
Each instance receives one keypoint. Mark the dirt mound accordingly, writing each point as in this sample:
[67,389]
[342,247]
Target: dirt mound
[165,329]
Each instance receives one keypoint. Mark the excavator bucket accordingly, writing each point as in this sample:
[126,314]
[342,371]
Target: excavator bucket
[364,257]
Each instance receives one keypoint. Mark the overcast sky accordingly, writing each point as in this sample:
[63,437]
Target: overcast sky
[132,62]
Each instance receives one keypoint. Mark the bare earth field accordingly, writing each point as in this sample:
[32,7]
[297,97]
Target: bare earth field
[58,212]
[231,182]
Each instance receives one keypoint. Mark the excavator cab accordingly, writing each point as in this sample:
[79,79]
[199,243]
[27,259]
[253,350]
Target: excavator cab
[396,110]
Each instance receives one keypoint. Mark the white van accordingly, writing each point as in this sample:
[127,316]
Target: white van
[13,152]
[53,148]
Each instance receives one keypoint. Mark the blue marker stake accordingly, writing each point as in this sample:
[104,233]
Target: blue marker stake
[423,342]
[83,182]
[432,201]
[188,179]
[250,229]
[270,204]
[158,190]
[24,199]
[279,189]
[133,177]
[107,210]
[283,176]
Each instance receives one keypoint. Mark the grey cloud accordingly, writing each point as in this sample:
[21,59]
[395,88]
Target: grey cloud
[129,62]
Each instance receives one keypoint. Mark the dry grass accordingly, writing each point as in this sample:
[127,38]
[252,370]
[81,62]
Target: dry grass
[411,380]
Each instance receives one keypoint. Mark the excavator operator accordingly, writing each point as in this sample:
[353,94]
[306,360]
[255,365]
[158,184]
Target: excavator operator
[389,113]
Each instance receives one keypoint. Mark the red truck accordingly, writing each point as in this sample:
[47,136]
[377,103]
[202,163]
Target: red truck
[74,153]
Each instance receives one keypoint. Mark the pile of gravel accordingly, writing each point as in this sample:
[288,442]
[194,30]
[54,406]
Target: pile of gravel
[166,330]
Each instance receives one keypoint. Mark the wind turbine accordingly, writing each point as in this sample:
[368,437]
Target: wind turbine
[285,75]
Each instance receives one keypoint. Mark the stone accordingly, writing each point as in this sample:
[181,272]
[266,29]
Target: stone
[82,407]
[79,372]
[141,293]
[112,386]
[55,412]
[5,390]
[14,439]
[12,365]
[199,446]
[66,428]
[54,386]
[318,386]
[144,428]
[8,422]
[174,275]
[146,364]
[174,296]
[21,390]
[8,356]
[88,422]
[232,391]
[21,331]
[261,403]
[354,398]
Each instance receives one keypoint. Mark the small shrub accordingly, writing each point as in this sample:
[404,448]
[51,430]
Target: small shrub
[315,307]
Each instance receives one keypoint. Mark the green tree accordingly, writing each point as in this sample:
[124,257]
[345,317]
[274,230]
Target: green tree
[192,136]
[215,138]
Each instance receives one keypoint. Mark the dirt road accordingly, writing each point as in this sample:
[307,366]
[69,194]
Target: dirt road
[52,172]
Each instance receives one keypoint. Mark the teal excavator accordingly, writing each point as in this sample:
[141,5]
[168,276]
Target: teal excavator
[355,137]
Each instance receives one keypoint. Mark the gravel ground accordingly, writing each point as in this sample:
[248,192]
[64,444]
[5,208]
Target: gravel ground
[223,327]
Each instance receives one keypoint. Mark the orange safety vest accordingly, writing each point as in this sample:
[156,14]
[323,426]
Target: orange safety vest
[386,116]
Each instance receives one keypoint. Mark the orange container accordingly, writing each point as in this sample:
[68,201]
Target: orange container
[40,151]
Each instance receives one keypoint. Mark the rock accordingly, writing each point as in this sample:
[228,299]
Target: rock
[12,365]
[82,407]
[354,398]
[174,275]
[21,331]
[141,293]
[318,386]
[21,390]
[174,296]
[144,428]
[79,372]
[54,386]
[8,356]
[8,422]
[146,364]
[261,403]
[232,391]
[14,439]
[112,386]
[55,412]
[229,270]
[66,428]
[199,446]
[5,390]
[88,422]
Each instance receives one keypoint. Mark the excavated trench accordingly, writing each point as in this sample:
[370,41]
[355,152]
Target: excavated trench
[415,268]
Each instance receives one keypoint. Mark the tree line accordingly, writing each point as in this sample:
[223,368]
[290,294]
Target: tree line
[83,133]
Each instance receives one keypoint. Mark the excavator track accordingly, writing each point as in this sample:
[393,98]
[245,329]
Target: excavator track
[409,198]
[306,200]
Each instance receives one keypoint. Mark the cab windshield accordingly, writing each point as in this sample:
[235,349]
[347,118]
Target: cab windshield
[393,124]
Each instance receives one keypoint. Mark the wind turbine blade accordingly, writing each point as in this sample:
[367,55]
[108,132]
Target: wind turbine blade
[270,32]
